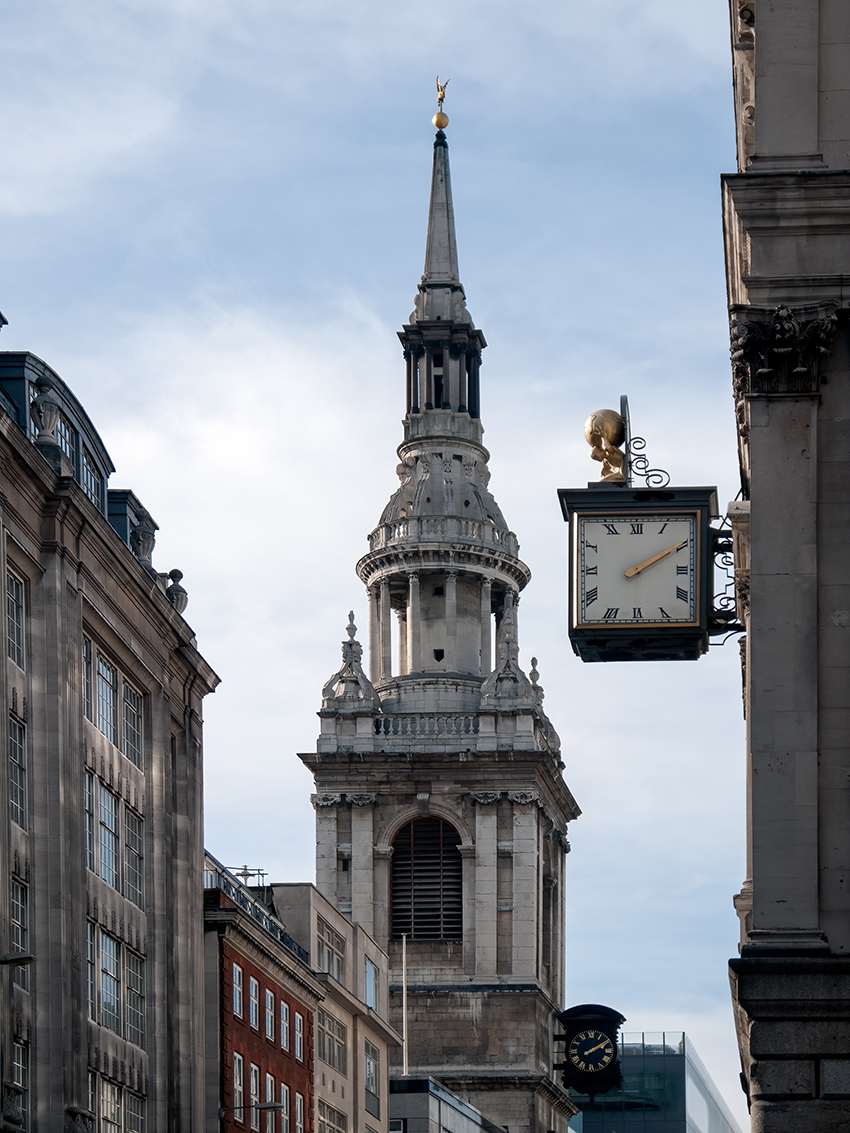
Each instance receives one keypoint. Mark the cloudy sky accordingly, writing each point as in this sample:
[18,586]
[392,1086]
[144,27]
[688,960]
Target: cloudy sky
[213,217]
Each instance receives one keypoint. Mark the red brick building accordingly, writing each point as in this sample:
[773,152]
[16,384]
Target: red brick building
[261,998]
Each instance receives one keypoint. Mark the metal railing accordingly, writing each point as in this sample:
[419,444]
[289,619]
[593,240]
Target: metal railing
[217,877]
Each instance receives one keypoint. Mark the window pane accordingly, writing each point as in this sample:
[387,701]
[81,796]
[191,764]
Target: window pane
[254,1001]
[331,1041]
[299,1035]
[371,991]
[20,931]
[18,773]
[107,699]
[92,480]
[237,990]
[135,1114]
[269,1014]
[133,845]
[135,999]
[108,839]
[110,1107]
[132,725]
[87,680]
[284,1025]
[66,438]
[330,950]
[284,1113]
[255,1096]
[299,1113]
[21,1079]
[270,1097]
[238,1087]
[15,619]
[110,983]
[91,961]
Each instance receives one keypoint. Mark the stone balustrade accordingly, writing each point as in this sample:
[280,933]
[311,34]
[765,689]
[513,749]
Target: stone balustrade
[443,528]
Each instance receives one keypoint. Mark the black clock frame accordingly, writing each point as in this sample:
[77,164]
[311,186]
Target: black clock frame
[585,1017]
[643,643]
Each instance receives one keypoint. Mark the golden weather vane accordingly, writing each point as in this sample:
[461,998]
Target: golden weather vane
[441,119]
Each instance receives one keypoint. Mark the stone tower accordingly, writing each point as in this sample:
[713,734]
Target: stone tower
[786,218]
[441,808]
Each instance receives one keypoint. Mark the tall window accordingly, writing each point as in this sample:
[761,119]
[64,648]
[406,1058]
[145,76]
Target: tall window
[107,836]
[284,1113]
[330,1119]
[21,1079]
[331,1040]
[107,699]
[237,991]
[426,881]
[15,619]
[133,848]
[254,1002]
[66,438]
[330,950]
[20,930]
[299,1113]
[110,1107]
[110,983]
[91,970]
[88,702]
[270,1097]
[284,1025]
[238,1087]
[270,1016]
[371,985]
[132,725]
[299,1036]
[255,1096]
[18,772]
[373,1080]
[92,480]
[135,999]
[135,1114]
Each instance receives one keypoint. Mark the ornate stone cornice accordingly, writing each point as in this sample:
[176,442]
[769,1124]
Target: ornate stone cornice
[780,351]
[524,798]
[485,798]
[363,799]
[325,800]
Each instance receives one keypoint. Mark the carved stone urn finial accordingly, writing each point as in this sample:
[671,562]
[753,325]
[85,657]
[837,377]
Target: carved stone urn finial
[605,431]
[175,593]
[44,411]
[143,539]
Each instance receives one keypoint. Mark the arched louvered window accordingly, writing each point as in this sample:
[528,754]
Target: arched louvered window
[427,896]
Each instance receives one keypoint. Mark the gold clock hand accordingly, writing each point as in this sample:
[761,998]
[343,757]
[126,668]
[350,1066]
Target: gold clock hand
[593,1049]
[632,571]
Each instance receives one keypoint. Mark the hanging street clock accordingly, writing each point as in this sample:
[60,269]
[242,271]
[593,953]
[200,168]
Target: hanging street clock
[591,1058]
[641,561]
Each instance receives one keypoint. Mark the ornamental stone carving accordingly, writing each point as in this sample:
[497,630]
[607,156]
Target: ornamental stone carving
[176,594]
[78,1120]
[325,800]
[12,1104]
[524,798]
[779,351]
[143,539]
[44,411]
[364,799]
[349,689]
[485,798]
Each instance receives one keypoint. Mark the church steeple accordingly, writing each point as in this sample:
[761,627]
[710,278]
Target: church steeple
[441,808]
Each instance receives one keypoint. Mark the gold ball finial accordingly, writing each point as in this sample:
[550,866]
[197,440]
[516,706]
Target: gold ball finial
[440,120]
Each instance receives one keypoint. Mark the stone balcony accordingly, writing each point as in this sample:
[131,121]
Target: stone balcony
[444,529]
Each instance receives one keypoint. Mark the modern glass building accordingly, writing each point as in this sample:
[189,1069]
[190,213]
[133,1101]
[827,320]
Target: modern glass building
[666,1089]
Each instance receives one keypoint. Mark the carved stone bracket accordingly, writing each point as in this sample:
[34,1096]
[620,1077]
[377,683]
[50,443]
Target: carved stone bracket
[78,1120]
[325,800]
[780,351]
[485,798]
[12,1109]
[524,798]
[365,799]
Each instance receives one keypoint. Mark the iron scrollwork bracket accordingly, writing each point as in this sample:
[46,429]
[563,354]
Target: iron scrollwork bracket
[723,618]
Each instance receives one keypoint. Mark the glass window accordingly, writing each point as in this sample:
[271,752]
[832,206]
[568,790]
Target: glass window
[92,480]
[254,1002]
[255,1096]
[299,1112]
[284,1113]
[108,837]
[331,1041]
[371,985]
[18,772]
[270,1097]
[87,680]
[135,1114]
[107,699]
[132,725]
[110,983]
[330,1119]
[110,1107]
[299,1036]
[21,1079]
[20,931]
[133,847]
[89,809]
[238,1087]
[373,1080]
[15,619]
[135,999]
[91,969]
[284,1025]
[237,991]
[66,438]
[269,1014]
[330,950]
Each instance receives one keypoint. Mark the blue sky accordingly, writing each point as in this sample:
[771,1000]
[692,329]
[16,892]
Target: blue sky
[213,224]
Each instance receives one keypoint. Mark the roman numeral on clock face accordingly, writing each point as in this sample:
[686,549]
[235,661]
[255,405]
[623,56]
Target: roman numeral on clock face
[681,594]
[612,611]
[681,570]
[637,529]
[610,529]
[591,570]
[591,596]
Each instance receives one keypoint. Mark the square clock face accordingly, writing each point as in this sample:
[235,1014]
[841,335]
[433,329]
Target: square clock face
[636,570]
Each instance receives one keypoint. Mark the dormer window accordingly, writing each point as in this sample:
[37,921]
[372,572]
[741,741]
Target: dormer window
[92,480]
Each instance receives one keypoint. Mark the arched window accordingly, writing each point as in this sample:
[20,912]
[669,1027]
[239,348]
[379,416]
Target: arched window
[427,898]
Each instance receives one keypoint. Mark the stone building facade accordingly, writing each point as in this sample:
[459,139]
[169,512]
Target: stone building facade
[786,216]
[441,807]
[101,852]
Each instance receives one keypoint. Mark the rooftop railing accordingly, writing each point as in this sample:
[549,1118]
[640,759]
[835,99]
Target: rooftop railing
[217,877]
